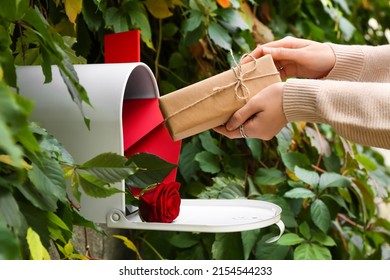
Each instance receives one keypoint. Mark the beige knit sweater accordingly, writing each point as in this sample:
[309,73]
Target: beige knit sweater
[354,98]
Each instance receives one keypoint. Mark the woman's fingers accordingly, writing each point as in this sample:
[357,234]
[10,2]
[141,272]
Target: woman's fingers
[262,117]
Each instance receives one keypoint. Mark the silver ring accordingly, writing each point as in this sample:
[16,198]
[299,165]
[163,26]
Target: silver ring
[242,132]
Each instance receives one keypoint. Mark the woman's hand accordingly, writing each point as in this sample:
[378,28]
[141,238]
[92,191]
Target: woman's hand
[262,117]
[298,58]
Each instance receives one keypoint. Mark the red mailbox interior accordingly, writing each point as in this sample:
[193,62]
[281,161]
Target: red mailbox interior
[143,124]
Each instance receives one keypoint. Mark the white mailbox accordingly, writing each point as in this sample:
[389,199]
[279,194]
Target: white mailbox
[107,86]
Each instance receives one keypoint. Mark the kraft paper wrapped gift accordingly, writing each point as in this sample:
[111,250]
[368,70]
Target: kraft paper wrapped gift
[211,102]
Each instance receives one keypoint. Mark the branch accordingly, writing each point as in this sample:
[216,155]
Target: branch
[349,221]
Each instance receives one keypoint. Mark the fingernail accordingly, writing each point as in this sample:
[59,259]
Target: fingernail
[229,127]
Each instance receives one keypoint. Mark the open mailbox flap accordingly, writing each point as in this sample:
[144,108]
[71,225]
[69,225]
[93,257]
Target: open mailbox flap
[108,87]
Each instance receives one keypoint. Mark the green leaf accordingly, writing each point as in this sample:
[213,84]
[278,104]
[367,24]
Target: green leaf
[227,246]
[292,159]
[318,141]
[36,198]
[252,189]
[75,89]
[188,167]
[234,165]
[224,187]
[13,9]
[249,240]
[245,42]
[344,5]
[94,187]
[53,46]
[219,35]
[68,249]
[9,114]
[309,177]
[51,145]
[184,240]
[320,215]
[333,180]
[176,60]
[46,64]
[151,170]
[339,199]
[109,167]
[270,251]
[312,252]
[304,229]
[139,18]
[288,8]
[284,140]
[193,37]
[210,144]
[169,30]
[323,239]
[57,228]
[233,19]
[7,63]
[47,176]
[269,177]
[15,125]
[8,145]
[255,147]
[55,220]
[208,162]
[193,22]
[37,250]
[92,16]
[290,239]
[299,193]
[75,184]
[365,194]
[113,17]
[9,244]
[26,138]
[40,28]
[288,216]
[366,162]
[233,190]
[79,220]
[346,27]
[332,163]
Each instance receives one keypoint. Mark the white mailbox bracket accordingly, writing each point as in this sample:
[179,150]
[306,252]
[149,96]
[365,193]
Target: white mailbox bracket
[107,86]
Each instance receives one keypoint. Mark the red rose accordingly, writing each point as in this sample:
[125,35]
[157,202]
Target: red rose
[160,204]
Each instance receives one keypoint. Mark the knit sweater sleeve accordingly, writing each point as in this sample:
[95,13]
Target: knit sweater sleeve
[361,63]
[354,98]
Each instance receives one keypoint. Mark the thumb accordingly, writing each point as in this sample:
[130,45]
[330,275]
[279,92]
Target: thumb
[241,116]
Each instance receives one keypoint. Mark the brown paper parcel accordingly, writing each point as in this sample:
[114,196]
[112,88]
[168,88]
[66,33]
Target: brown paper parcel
[211,102]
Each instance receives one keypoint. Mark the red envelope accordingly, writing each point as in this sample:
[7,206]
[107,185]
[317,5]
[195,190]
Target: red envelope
[144,131]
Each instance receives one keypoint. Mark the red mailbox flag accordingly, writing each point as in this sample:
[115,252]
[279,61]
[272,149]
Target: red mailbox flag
[142,121]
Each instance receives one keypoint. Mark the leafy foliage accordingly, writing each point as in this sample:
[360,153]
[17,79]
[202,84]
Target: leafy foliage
[327,187]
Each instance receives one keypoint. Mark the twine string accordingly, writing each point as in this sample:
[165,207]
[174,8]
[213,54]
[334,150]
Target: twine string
[239,83]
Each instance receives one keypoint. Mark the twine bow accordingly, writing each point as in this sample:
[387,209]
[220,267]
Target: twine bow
[240,78]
